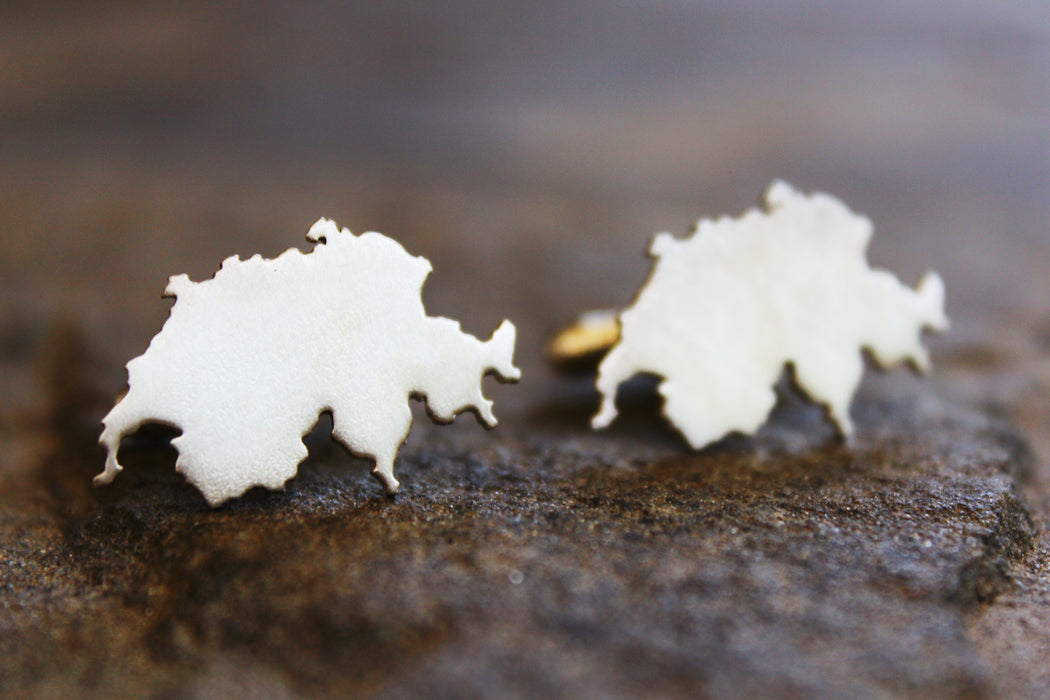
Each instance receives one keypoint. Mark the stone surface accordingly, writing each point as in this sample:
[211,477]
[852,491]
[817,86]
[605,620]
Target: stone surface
[541,560]
[529,153]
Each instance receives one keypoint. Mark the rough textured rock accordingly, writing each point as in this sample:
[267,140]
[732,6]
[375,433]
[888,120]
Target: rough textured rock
[542,560]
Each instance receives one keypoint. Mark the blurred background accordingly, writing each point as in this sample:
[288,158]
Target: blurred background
[529,149]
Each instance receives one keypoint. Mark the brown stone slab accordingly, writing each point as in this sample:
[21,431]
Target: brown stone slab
[539,559]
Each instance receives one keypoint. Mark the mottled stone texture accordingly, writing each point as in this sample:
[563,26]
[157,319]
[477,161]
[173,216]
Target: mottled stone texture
[537,560]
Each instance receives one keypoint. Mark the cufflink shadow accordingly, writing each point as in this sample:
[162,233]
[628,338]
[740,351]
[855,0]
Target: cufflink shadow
[794,425]
[70,372]
[574,402]
[329,467]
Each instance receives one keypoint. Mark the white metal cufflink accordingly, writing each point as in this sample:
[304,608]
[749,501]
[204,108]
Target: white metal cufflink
[249,359]
[725,309]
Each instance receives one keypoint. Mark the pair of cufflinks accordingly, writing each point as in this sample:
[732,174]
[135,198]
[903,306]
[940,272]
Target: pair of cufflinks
[248,359]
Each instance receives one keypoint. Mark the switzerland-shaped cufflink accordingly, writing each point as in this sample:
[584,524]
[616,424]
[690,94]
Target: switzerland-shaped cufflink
[250,358]
[726,309]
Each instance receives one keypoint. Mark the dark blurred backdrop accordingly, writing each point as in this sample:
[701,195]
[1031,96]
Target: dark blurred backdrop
[528,149]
